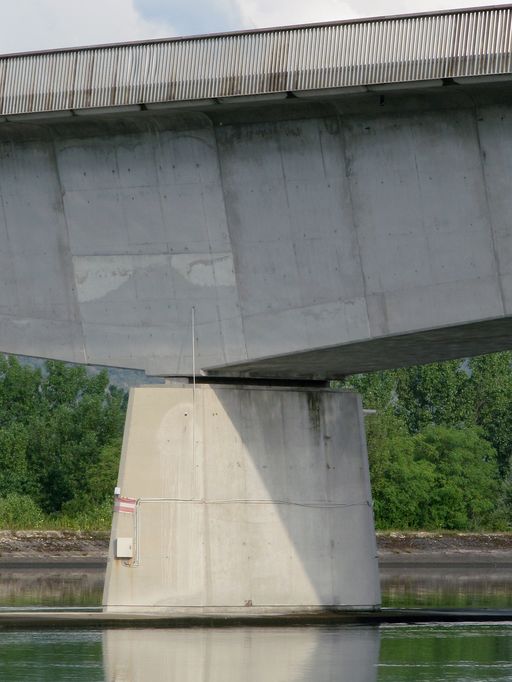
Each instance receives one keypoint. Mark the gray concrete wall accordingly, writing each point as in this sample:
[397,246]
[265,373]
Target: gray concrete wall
[301,228]
[250,501]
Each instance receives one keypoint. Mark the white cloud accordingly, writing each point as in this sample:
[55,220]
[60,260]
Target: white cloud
[45,24]
[260,13]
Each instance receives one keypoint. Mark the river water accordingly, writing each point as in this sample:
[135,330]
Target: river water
[398,653]
[319,654]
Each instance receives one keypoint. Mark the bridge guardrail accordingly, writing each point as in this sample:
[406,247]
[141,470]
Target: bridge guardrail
[355,53]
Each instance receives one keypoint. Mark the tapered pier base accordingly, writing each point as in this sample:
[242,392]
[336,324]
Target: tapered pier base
[249,500]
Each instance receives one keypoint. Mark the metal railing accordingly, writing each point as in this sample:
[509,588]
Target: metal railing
[375,51]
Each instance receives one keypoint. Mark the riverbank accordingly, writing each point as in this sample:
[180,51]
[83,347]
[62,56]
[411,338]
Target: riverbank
[425,548]
[86,548]
[39,546]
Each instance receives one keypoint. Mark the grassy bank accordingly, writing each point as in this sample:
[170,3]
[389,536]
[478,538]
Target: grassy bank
[19,512]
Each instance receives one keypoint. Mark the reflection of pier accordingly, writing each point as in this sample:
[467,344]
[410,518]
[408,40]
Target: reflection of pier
[242,655]
[260,655]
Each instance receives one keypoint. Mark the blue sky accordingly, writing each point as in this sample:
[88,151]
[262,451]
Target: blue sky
[46,24]
[188,17]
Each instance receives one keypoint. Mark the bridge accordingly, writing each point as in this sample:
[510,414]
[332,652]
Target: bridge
[283,205]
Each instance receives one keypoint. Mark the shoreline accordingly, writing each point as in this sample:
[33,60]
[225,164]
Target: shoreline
[95,618]
[38,549]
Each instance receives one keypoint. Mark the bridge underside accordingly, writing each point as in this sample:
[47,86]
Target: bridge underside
[418,348]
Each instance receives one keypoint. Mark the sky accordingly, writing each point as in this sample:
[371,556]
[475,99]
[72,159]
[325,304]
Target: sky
[46,24]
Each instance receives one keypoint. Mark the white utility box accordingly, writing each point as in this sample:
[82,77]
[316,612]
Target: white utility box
[123,548]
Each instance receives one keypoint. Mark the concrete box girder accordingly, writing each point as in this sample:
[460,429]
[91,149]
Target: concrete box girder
[348,232]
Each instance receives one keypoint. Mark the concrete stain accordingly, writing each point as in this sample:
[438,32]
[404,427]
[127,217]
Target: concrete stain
[314,407]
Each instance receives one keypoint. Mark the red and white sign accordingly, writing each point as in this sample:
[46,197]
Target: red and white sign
[125,505]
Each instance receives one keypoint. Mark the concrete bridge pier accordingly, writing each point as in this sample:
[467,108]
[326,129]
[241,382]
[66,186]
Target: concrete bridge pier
[243,500]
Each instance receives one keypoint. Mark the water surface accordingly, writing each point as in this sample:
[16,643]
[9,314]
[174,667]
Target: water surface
[461,653]
[453,653]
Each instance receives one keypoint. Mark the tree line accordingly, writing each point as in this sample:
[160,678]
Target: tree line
[439,445]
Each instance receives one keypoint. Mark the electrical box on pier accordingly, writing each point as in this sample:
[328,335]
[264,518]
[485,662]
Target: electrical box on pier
[123,548]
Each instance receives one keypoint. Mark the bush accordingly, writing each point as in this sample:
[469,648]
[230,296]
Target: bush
[83,515]
[20,512]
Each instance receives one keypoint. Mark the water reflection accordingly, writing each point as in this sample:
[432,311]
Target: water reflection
[443,586]
[50,587]
[437,653]
[50,656]
[462,587]
[242,655]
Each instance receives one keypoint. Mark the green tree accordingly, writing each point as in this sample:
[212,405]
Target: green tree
[100,480]
[54,426]
[14,474]
[401,486]
[433,394]
[466,493]
[19,391]
[491,399]
[80,415]
[378,389]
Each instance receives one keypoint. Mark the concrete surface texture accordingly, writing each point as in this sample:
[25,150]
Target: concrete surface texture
[332,235]
[255,654]
[250,501]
